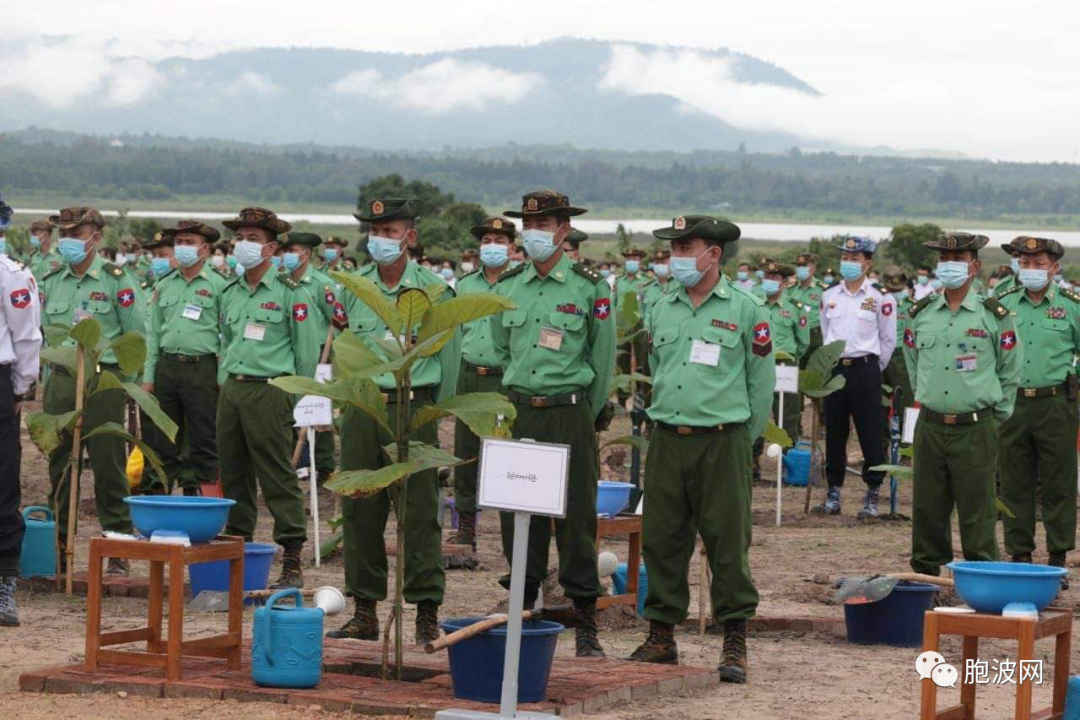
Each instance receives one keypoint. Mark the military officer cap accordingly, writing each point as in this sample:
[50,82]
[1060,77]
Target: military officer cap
[576,236]
[661,256]
[774,268]
[41,226]
[337,241]
[830,271]
[470,254]
[894,279]
[386,209]
[958,241]
[160,239]
[72,217]
[1025,245]
[5,214]
[258,217]
[858,243]
[494,225]
[302,238]
[194,227]
[634,253]
[545,203]
[806,259]
[707,228]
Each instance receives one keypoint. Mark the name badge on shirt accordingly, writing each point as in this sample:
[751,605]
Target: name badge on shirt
[967,363]
[254,331]
[192,312]
[550,338]
[703,353]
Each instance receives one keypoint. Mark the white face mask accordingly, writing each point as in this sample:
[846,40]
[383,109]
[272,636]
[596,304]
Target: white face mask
[218,261]
[121,259]
[467,267]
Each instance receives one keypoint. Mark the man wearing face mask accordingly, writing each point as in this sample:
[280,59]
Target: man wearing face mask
[896,375]
[572,244]
[863,316]
[1007,275]
[480,368]
[558,352]
[266,332]
[809,291]
[713,382]
[87,287]
[745,277]
[965,360]
[392,231]
[182,347]
[1038,440]
[333,254]
[44,257]
[923,283]
[632,354]
[663,285]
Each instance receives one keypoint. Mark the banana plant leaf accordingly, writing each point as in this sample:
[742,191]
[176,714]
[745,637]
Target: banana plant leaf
[479,411]
[444,317]
[369,293]
[773,433]
[130,349]
[45,429]
[635,441]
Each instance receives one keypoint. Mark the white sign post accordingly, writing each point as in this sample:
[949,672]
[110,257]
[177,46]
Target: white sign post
[526,478]
[787,381]
[310,412]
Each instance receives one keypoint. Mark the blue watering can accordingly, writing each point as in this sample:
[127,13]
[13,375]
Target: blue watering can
[797,464]
[38,555]
[287,643]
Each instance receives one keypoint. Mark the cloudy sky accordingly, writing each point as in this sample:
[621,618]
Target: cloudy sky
[989,78]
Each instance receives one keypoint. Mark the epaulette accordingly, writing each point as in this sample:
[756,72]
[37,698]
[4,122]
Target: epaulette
[1075,297]
[512,272]
[880,288]
[232,282]
[113,270]
[798,304]
[1016,288]
[52,272]
[586,272]
[918,308]
[995,307]
[289,282]
[146,283]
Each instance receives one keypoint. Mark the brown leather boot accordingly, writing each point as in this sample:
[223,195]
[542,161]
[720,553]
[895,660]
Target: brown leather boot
[466,530]
[427,622]
[659,647]
[364,624]
[118,567]
[1057,559]
[586,642]
[292,575]
[732,666]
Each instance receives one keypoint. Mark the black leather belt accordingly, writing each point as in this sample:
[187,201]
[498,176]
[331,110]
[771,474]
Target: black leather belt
[482,369]
[1043,391]
[176,357]
[695,429]
[61,370]
[546,401]
[251,378]
[969,418]
[856,361]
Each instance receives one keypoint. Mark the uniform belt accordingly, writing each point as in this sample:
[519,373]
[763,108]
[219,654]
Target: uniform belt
[392,396]
[1043,391]
[695,429]
[177,357]
[61,370]
[856,361]
[251,378]
[546,401]
[482,369]
[969,418]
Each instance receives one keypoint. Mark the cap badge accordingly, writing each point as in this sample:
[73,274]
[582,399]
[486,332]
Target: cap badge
[496,224]
[851,242]
[950,242]
[1032,243]
[377,208]
[157,236]
[680,223]
[531,206]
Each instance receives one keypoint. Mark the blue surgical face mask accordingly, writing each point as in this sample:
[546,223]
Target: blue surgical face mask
[275,260]
[759,274]
[1058,278]
[952,273]
[802,272]
[850,270]
[741,275]
[540,244]
[770,287]
[3,246]
[494,255]
[186,255]
[1014,263]
[72,250]
[1033,278]
[447,274]
[685,271]
[35,242]
[662,270]
[923,279]
[632,266]
[384,251]
[230,260]
[936,284]
[248,254]
[330,254]
[291,261]
[159,266]
[605,272]
[829,279]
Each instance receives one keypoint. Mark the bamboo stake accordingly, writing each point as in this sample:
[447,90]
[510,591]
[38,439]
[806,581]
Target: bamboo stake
[76,456]
[813,454]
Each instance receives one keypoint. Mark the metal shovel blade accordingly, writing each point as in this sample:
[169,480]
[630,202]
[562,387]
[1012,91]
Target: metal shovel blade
[865,589]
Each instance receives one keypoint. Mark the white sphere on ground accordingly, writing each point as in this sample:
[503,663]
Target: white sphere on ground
[773,451]
[606,563]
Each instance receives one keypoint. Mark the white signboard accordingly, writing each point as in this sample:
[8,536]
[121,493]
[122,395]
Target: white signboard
[313,410]
[522,476]
[787,378]
[911,414]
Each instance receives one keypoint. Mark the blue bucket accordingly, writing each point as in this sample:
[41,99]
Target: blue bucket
[258,557]
[797,464]
[618,582]
[894,620]
[612,497]
[476,664]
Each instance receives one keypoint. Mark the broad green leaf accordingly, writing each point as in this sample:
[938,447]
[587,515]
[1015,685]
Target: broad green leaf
[622,338]
[362,394]
[361,483]
[775,434]
[352,354]
[908,452]
[901,472]
[149,405]
[782,356]
[107,380]
[130,349]
[435,291]
[629,314]
[636,441]
[412,303]
[87,333]
[479,411]
[824,359]
[330,545]
[405,361]
[457,311]
[1004,509]
[63,355]
[111,428]
[423,457]
[55,335]
[45,430]
[623,381]
[392,346]
[370,294]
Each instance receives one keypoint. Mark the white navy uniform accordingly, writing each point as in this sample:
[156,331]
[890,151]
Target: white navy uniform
[865,320]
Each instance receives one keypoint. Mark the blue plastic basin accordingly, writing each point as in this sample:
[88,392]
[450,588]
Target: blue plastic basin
[893,620]
[202,518]
[612,497]
[476,664]
[258,557]
[989,586]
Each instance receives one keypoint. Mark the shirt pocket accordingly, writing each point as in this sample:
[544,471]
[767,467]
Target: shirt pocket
[270,317]
[834,313]
[99,307]
[730,345]
[1054,324]
[926,348]
[203,301]
[664,343]
[573,329]
[56,310]
[866,322]
[514,322]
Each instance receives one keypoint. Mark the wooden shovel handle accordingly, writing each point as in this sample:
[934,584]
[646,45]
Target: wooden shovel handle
[467,632]
[919,577]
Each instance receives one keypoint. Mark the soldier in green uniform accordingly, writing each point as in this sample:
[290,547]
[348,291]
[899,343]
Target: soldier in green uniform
[44,257]
[895,374]
[572,244]
[964,359]
[87,287]
[182,347]
[808,291]
[632,354]
[266,332]
[393,230]
[334,255]
[713,382]
[663,285]
[1039,440]
[558,352]
[1008,280]
[480,368]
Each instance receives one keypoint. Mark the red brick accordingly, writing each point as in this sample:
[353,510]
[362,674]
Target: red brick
[32,681]
[257,695]
[141,686]
[196,689]
[68,684]
[329,702]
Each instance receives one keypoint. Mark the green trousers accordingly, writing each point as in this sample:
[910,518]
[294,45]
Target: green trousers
[954,465]
[816,341]
[698,484]
[575,535]
[188,393]
[1039,442]
[108,455]
[467,444]
[255,442]
[896,376]
[366,568]
[324,452]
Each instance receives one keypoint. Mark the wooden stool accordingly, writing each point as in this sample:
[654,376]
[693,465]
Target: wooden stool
[158,653]
[1054,622]
[623,525]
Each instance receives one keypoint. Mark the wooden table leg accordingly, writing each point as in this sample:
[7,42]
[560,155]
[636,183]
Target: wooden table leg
[154,614]
[93,607]
[176,613]
[1026,651]
[1062,652]
[633,566]
[928,708]
[236,610]
[967,690]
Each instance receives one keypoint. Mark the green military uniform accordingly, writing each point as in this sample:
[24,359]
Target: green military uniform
[1004,285]
[43,263]
[266,332]
[433,379]
[895,374]
[558,351]
[639,284]
[965,368]
[183,342]
[104,293]
[809,293]
[1039,441]
[790,328]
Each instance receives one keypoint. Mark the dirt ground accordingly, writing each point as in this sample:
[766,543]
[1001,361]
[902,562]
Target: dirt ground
[791,674]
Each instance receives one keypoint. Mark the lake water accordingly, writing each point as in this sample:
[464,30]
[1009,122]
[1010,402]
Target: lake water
[757,231]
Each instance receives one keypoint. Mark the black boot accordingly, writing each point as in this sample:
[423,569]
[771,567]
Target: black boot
[466,530]
[732,666]
[364,624]
[659,647]
[586,642]
[1057,559]
[292,575]
[118,567]
[1022,558]
[427,622]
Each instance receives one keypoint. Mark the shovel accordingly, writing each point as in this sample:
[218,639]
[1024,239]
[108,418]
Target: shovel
[564,614]
[871,588]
